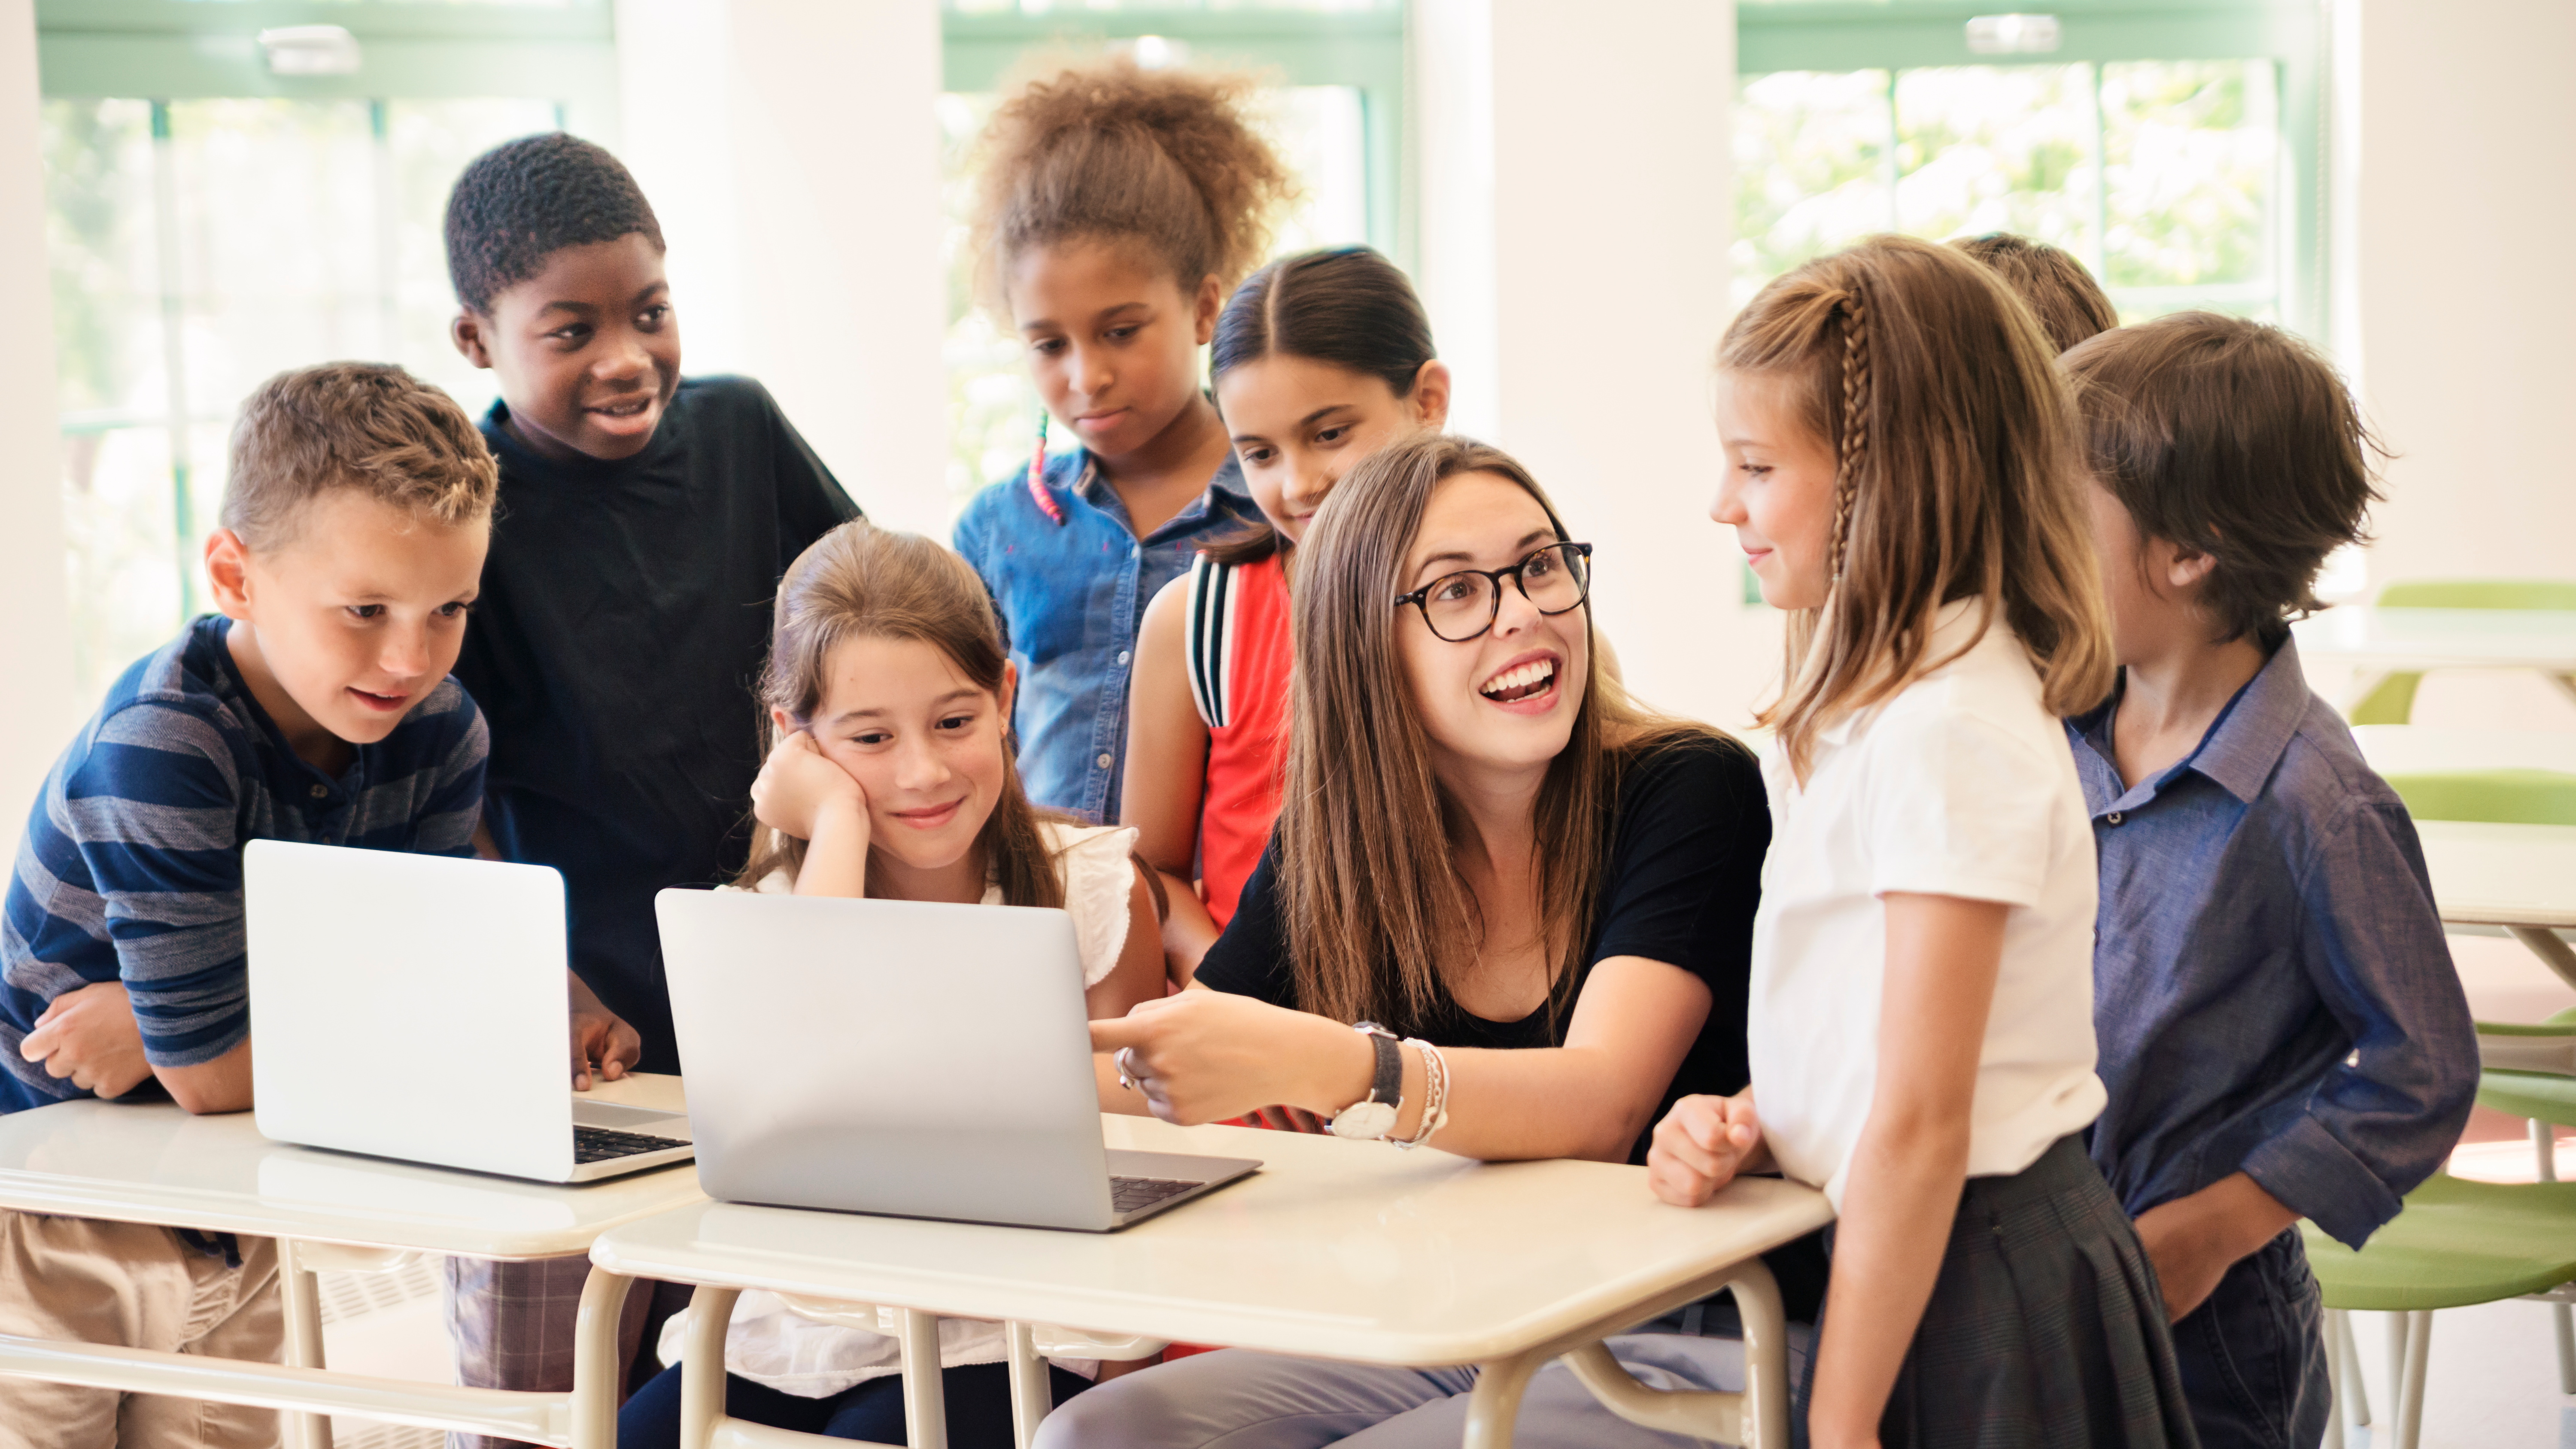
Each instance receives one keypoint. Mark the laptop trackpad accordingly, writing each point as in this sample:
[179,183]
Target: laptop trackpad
[620,1118]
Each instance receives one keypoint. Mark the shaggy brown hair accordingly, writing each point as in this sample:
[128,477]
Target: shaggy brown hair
[2070,305]
[363,425]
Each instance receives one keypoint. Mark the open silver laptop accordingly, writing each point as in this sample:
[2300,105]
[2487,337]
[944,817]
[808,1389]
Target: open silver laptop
[415,1007]
[925,1061]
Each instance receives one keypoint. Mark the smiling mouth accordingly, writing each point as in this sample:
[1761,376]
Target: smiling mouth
[633,407]
[934,816]
[1526,682]
[379,701]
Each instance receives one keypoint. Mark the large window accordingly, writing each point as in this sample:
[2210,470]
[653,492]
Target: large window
[2174,148]
[216,218]
[1334,110]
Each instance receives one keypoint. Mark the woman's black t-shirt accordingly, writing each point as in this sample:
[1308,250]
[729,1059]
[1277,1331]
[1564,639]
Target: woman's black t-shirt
[1688,831]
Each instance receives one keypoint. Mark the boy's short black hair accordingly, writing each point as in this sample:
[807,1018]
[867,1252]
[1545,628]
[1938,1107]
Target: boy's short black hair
[522,201]
[2235,439]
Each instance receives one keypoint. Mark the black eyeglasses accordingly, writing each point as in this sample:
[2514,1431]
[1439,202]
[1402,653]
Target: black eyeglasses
[1463,605]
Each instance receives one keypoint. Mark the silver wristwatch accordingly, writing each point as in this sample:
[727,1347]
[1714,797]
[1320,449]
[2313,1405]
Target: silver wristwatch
[1372,1117]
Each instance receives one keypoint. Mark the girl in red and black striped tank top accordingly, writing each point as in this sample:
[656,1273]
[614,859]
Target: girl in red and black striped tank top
[1320,360]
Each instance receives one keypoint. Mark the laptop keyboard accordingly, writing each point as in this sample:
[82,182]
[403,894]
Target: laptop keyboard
[599,1144]
[1133,1194]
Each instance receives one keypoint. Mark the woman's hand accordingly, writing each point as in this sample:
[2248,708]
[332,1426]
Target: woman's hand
[798,787]
[1205,1056]
[1701,1145]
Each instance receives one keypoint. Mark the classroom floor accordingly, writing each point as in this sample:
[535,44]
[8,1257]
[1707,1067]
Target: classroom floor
[2493,1382]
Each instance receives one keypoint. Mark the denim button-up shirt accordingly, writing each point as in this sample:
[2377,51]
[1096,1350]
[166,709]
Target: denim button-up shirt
[2272,992]
[1070,596]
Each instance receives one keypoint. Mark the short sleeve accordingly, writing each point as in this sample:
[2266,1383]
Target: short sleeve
[1686,866]
[455,802]
[1958,806]
[155,813]
[1099,873]
[1251,958]
[811,502]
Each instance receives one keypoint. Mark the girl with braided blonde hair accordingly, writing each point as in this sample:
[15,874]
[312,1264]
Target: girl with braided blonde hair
[1903,476]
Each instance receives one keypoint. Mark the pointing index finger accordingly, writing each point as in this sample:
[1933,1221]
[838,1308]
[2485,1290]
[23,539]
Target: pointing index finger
[1117,1033]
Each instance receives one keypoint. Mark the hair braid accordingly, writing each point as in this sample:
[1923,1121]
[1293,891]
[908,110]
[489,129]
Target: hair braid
[1855,439]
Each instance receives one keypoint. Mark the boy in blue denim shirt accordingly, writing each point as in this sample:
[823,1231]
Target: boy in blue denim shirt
[2283,1035]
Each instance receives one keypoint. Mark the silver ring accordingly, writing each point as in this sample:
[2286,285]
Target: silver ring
[1126,1067]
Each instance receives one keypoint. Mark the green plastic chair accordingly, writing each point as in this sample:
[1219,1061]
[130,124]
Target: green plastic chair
[2392,700]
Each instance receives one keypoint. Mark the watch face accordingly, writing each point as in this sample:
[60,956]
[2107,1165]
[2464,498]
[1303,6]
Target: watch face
[1367,1120]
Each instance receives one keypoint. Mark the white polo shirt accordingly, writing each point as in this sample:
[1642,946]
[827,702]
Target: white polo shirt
[1960,785]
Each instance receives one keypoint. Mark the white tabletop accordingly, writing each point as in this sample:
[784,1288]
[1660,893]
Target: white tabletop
[1349,1250]
[153,1163]
[2501,875]
[2377,638]
[2415,750]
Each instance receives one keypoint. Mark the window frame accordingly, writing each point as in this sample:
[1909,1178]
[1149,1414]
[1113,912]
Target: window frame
[1894,35]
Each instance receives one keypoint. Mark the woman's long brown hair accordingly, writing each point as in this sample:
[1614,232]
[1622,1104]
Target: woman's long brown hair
[1957,478]
[864,582]
[1379,921]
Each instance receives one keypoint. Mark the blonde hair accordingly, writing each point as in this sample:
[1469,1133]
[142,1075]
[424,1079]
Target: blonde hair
[1108,151]
[864,582]
[366,426]
[1377,917]
[1956,479]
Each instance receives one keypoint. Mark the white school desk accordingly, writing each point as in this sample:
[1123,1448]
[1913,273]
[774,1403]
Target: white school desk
[1346,1250]
[2519,877]
[2377,642]
[153,1163]
[2416,750]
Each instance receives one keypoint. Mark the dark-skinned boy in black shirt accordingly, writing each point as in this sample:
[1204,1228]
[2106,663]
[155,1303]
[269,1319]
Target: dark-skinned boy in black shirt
[644,522]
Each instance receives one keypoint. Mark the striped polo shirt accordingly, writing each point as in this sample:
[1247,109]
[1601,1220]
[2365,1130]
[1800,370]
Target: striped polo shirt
[131,865]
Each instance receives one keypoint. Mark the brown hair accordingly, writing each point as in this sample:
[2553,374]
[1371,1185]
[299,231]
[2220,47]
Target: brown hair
[1957,476]
[2069,303]
[864,582]
[2234,439]
[1109,151]
[1378,919]
[363,425]
[1345,307]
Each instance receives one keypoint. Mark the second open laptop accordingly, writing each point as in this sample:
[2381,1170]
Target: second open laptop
[916,1060]
[416,1007]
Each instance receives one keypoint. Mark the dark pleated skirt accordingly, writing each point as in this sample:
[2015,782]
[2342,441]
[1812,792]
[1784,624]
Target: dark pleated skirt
[2046,1329]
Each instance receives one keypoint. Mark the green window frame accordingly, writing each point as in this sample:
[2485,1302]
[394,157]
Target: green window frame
[1894,35]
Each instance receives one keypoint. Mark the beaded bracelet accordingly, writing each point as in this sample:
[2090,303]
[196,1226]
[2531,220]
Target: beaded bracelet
[1435,1095]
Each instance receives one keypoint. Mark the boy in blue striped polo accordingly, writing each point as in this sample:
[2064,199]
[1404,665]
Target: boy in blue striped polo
[316,707]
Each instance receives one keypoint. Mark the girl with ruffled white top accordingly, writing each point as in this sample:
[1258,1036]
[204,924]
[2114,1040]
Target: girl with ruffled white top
[890,775]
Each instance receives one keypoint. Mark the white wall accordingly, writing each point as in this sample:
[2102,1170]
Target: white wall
[791,150]
[2461,229]
[35,637]
[1576,192]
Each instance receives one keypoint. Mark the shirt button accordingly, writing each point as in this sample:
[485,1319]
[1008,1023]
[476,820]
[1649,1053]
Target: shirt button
[319,791]
[1103,761]
[1124,656]
[2115,817]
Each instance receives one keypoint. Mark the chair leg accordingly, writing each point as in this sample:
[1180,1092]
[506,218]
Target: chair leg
[2544,1148]
[2419,1352]
[2398,1323]
[2335,1388]
[2565,1320]
[2348,1353]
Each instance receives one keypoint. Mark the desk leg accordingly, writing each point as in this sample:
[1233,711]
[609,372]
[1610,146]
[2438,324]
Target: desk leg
[1757,1418]
[1496,1403]
[2553,952]
[596,1369]
[925,1406]
[302,1293]
[702,1370]
[1032,1390]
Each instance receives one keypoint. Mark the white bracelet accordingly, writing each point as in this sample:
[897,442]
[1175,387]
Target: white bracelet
[1435,1095]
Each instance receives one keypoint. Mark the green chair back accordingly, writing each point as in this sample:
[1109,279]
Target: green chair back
[2499,797]
[2392,700]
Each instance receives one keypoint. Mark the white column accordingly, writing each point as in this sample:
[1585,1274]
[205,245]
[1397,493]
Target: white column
[2459,231]
[1576,198]
[35,647]
[792,152]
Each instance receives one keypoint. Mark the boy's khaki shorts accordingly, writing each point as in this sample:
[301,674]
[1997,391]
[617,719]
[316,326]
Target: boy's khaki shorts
[139,1287]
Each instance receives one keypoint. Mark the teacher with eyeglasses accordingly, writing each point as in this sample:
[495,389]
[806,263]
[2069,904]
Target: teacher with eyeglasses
[1505,910]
